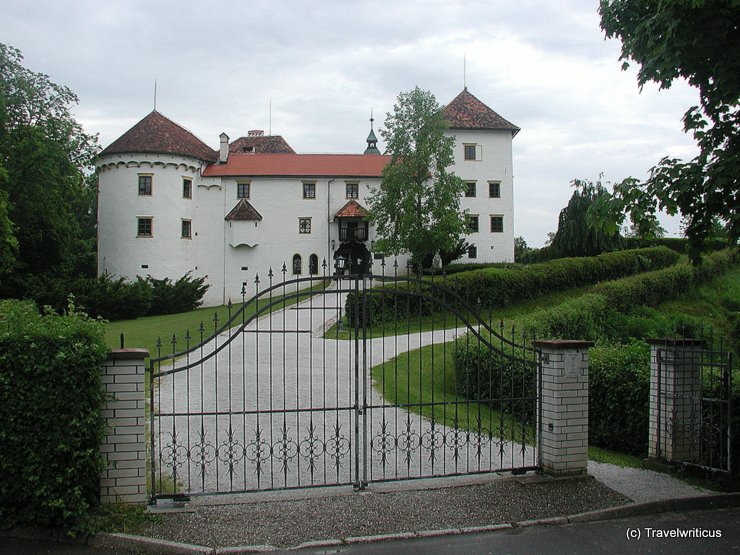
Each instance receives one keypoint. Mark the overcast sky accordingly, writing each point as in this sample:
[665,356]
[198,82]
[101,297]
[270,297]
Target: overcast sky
[323,65]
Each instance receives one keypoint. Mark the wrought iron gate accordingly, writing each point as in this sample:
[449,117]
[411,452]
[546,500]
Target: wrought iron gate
[341,380]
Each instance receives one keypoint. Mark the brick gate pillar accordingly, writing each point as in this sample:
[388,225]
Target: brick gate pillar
[675,398]
[124,448]
[563,443]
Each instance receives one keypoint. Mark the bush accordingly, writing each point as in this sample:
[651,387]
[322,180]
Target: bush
[50,421]
[499,287]
[618,397]
[119,299]
[184,295]
[104,296]
[499,379]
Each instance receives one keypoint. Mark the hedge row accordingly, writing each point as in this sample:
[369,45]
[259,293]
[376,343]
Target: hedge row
[50,421]
[498,287]
[678,244]
[652,288]
[120,299]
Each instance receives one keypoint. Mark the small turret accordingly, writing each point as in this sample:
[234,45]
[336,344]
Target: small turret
[372,140]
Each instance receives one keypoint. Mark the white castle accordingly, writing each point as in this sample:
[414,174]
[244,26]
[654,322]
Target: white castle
[168,204]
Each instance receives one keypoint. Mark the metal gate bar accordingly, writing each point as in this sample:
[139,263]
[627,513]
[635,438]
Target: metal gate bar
[240,412]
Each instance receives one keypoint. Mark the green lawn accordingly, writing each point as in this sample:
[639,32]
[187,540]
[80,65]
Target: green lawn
[144,332]
[423,381]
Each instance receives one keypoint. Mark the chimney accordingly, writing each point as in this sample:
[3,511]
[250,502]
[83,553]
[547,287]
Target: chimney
[255,133]
[223,153]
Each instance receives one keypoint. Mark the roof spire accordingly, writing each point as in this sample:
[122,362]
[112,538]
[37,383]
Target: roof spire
[372,140]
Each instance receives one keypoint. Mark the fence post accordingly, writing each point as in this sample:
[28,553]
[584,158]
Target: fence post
[563,437]
[675,398]
[124,448]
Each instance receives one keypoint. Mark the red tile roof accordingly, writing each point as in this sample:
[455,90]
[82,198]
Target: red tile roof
[467,112]
[243,211]
[273,144]
[300,165]
[352,209]
[158,134]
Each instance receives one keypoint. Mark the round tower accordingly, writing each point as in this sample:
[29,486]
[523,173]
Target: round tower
[147,197]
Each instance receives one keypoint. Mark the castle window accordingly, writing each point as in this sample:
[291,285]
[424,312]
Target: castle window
[470,188]
[472,251]
[187,229]
[309,190]
[313,264]
[304,225]
[472,224]
[143,227]
[242,190]
[145,185]
[353,190]
[473,151]
[494,189]
[297,265]
[497,224]
[187,187]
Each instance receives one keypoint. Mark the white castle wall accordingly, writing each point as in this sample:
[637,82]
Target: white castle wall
[233,253]
[495,164]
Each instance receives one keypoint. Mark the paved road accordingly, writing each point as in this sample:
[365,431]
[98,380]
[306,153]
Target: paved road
[592,538]
[41,547]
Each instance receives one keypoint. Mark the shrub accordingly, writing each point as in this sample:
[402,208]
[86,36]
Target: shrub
[50,421]
[183,295]
[500,379]
[104,296]
[618,397]
[119,299]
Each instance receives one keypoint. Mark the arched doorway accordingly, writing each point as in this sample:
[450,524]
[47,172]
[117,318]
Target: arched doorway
[355,258]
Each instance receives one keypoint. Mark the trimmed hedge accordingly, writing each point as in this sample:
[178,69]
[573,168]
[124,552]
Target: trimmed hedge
[678,244]
[652,288]
[499,287]
[50,421]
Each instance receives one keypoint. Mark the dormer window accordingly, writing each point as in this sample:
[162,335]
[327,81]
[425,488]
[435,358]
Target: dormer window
[248,149]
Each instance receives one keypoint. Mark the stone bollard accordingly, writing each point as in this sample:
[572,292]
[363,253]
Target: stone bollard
[563,443]
[675,399]
[124,448]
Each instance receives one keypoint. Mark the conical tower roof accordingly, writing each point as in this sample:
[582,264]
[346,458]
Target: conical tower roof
[160,135]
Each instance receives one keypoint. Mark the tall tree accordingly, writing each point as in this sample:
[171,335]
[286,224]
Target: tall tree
[696,40]
[416,208]
[47,158]
[576,236]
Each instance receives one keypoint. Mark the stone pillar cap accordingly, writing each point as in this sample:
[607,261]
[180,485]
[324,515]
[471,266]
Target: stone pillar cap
[564,343]
[128,354]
